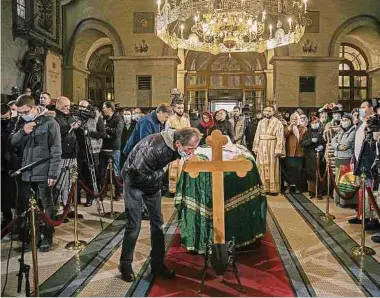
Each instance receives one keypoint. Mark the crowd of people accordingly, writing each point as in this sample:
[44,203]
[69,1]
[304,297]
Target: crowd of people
[292,151]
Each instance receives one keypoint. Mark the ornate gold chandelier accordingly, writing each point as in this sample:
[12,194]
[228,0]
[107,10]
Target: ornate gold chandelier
[223,26]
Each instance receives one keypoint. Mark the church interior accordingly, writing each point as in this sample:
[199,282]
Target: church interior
[268,236]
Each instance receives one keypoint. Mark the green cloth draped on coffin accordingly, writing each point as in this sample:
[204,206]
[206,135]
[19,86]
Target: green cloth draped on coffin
[245,208]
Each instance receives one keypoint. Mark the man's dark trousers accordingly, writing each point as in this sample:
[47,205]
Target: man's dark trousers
[133,199]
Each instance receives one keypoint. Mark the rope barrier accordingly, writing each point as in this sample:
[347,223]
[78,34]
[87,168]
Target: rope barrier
[118,180]
[342,196]
[101,192]
[8,227]
[66,210]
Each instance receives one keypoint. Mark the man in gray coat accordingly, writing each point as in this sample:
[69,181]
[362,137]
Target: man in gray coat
[39,138]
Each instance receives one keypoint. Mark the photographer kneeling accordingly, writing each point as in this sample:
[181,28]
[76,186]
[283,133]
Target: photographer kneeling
[91,132]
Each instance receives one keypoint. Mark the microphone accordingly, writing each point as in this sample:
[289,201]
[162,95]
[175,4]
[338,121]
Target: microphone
[30,166]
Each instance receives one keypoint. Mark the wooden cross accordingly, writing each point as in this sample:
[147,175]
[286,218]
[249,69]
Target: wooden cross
[217,167]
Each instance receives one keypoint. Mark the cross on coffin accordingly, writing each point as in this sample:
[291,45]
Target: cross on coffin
[217,166]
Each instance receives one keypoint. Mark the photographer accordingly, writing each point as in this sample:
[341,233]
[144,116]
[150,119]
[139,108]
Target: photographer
[67,126]
[92,127]
[39,138]
[113,124]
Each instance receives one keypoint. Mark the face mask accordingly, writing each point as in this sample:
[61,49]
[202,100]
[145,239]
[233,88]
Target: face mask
[315,126]
[337,116]
[28,117]
[346,124]
[127,118]
[14,114]
[361,114]
[183,153]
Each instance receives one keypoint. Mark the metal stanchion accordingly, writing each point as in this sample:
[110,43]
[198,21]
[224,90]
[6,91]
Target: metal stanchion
[76,244]
[33,208]
[361,250]
[327,216]
[316,176]
[111,214]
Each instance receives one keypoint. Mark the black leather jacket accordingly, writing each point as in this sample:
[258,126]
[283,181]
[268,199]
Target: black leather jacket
[144,166]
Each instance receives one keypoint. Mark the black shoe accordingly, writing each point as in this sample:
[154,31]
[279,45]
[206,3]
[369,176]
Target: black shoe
[89,203]
[164,272]
[372,225]
[357,221]
[144,216]
[46,245]
[127,273]
[376,238]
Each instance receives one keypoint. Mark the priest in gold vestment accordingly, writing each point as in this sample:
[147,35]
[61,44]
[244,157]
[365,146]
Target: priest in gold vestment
[177,121]
[269,146]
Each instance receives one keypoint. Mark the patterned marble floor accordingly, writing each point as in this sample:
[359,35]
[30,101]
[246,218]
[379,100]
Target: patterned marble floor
[320,253]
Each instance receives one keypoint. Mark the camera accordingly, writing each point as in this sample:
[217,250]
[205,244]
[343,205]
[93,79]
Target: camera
[84,114]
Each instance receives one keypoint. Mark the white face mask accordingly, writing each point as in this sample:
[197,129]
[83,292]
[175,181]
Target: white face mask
[346,124]
[183,153]
[315,125]
[361,114]
[127,118]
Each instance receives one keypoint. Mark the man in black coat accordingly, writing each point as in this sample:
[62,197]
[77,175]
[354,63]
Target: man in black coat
[113,124]
[67,125]
[143,175]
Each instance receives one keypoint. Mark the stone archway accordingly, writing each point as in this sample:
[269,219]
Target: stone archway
[354,28]
[363,32]
[89,35]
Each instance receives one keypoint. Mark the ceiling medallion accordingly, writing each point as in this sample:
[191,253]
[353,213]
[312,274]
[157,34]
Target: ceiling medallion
[225,26]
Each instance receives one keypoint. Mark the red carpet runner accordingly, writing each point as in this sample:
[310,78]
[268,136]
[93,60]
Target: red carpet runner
[261,273]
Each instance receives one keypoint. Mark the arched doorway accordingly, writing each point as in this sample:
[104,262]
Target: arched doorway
[101,76]
[224,81]
[353,76]
[88,69]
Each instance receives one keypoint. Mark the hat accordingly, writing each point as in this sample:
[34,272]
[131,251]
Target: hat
[348,116]
[314,119]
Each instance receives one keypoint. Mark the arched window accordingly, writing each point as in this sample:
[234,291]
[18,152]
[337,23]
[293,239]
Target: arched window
[353,77]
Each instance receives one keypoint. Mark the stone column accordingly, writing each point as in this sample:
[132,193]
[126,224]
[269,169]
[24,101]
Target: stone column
[74,83]
[181,80]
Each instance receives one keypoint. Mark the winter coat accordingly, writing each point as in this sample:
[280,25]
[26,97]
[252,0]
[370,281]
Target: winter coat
[226,128]
[309,150]
[43,141]
[68,138]
[205,131]
[143,168]
[114,129]
[146,126]
[346,138]
[238,127]
[292,144]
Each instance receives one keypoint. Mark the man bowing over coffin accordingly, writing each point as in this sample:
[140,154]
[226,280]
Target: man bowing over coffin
[269,146]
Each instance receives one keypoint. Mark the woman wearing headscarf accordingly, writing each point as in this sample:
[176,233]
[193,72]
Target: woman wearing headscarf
[343,144]
[313,140]
[293,162]
[206,126]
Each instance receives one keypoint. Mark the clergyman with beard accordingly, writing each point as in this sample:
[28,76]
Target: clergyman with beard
[177,121]
[269,146]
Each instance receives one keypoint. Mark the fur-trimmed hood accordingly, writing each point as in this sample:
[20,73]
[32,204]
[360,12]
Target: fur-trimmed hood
[168,136]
